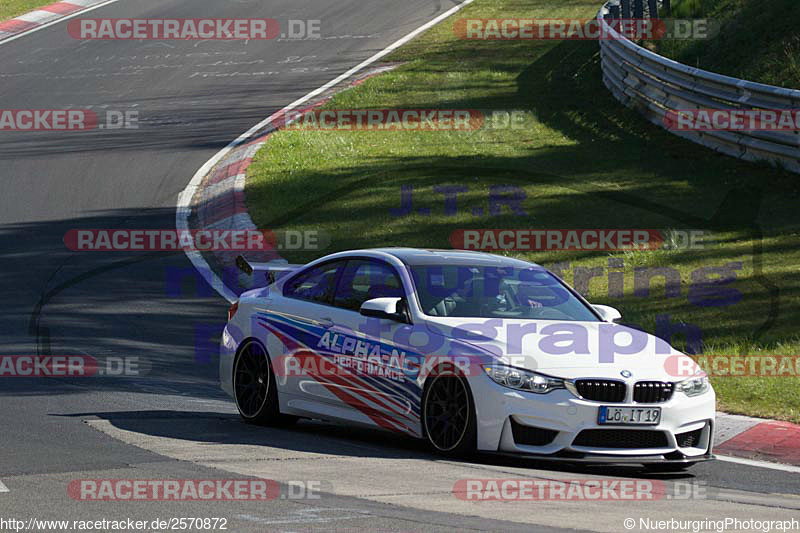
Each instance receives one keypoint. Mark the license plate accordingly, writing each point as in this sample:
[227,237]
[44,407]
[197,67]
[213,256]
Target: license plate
[630,416]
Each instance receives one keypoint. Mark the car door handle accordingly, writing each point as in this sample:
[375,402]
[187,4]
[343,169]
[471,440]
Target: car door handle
[325,322]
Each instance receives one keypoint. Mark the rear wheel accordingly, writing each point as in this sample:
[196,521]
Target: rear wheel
[255,388]
[448,415]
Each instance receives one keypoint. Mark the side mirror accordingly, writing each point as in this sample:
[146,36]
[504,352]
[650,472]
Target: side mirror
[388,308]
[607,313]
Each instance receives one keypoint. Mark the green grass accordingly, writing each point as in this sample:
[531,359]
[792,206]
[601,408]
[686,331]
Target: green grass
[583,160]
[12,8]
[758,40]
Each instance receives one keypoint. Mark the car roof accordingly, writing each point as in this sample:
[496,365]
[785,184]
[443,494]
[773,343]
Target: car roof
[420,256]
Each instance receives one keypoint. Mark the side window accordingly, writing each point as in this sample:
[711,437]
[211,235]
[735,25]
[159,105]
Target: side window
[364,280]
[314,285]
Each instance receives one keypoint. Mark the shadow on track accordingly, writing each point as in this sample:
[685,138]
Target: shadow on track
[319,437]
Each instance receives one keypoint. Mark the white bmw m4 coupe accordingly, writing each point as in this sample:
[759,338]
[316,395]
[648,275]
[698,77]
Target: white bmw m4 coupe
[470,351]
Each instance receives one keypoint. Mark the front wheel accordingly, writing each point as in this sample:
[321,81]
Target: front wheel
[255,388]
[448,415]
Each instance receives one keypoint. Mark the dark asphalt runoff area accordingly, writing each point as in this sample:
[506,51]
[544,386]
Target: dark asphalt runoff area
[192,99]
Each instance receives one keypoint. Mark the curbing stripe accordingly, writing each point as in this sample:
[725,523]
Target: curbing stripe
[240,221]
[239,155]
[39,16]
[223,207]
[83,3]
[62,8]
[728,426]
[46,16]
[16,25]
[232,169]
[772,440]
[219,188]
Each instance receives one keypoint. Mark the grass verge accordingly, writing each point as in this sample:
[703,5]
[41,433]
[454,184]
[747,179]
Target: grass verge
[758,40]
[12,8]
[582,160]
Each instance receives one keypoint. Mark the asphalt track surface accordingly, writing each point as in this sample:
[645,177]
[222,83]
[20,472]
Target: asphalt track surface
[172,421]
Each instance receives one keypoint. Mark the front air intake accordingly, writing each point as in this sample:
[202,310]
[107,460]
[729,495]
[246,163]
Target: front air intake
[621,438]
[531,435]
[690,439]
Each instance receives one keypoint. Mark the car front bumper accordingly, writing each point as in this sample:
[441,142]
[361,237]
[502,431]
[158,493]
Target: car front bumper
[547,425]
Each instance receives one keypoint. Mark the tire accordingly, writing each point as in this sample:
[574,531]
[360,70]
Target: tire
[255,388]
[448,415]
[665,468]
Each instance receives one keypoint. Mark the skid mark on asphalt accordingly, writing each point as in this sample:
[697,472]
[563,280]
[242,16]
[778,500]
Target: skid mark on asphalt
[321,515]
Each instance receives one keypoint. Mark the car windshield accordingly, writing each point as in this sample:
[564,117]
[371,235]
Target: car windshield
[496,292]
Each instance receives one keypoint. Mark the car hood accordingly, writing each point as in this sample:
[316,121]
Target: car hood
[585,348]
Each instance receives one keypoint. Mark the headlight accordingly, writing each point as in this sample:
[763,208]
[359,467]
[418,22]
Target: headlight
[694,386]
[515,378]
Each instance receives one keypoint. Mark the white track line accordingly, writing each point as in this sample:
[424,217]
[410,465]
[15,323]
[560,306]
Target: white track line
[61,19]
[185,198]
[760,464]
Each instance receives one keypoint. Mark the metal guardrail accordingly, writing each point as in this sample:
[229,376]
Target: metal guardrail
[655,85]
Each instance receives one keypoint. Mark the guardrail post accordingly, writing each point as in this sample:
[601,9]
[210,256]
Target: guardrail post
[626,9]
[638,9]
[653,6]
